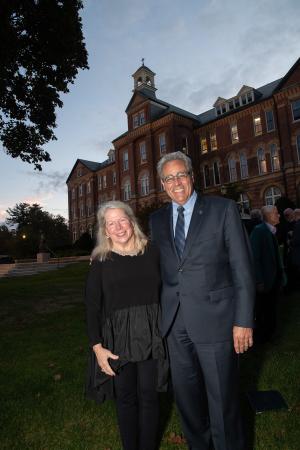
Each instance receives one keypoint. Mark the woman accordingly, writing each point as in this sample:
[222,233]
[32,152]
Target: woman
[127,360]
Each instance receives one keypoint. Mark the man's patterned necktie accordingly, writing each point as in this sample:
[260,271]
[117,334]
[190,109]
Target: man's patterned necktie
[179,231]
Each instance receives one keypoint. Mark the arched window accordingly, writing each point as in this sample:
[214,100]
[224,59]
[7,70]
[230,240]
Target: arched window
[243,166]
[232,169]
[261,161]
[275,165]
[144,184]
[148,81]
[126,190]
[271,195]
[243,202]
[139,81]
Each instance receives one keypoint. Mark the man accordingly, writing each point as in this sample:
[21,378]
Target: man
[269,273]
[207,304]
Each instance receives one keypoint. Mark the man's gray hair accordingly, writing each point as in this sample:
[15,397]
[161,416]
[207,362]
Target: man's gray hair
[174,156]
[255,214]
[266,210]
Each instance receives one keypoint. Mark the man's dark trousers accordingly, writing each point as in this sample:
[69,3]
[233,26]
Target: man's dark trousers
[197,369]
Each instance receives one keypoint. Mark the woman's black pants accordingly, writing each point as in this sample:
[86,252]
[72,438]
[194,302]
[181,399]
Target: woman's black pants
[137,405]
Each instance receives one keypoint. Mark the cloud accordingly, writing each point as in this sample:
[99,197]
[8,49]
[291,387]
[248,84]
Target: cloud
[49,182]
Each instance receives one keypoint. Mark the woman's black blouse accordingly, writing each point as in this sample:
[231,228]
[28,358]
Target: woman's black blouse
[122,304]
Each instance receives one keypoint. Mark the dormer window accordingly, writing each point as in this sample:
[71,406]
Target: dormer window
[138,119]
[237,103]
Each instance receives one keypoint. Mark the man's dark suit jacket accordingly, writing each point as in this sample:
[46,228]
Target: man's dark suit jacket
[267,258]
[214,280]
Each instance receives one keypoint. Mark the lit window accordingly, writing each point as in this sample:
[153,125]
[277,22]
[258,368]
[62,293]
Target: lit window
[271,195]
[234,133]
[144,184]
[99,182]
[261,160]
[126,191]
[270,120]
[213,141]
[257,125]
[80,190]
[162,143]
[206,174]
[296,109]
[216,172]
[298,147]
[243,166]
[203,145]
[114,178]
[232,169]
[104,182]
[88,187]
[143,153]
[275,165]
[90,230]
[125,161]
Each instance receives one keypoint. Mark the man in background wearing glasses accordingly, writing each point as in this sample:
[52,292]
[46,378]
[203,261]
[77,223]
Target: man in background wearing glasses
[207,304]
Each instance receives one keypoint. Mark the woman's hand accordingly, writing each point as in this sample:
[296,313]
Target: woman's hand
[102,355]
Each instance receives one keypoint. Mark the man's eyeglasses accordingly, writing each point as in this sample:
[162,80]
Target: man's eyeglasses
[179,176]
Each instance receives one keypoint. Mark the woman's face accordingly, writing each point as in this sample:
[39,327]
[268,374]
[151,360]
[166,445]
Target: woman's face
[118,227]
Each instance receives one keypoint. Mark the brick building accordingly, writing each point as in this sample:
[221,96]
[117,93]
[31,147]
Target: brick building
[251,141]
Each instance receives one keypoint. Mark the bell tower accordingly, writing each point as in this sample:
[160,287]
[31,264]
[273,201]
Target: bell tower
[144,80]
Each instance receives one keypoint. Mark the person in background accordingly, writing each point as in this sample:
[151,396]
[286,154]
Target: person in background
[207,304]
[255,219]
[269,273]
[127,355]
[295,248]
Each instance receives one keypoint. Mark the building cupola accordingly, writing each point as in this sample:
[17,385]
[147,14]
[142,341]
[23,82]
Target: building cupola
[144,80]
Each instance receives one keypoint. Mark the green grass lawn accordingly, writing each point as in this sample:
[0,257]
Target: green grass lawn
[43,359]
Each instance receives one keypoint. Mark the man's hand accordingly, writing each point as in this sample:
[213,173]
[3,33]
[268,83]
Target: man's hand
[242,339]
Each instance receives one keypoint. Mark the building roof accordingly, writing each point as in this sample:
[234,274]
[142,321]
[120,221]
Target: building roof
[93,166]
[261,93]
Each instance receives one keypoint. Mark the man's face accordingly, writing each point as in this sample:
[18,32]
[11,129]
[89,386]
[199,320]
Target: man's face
[180,188]
[274,216]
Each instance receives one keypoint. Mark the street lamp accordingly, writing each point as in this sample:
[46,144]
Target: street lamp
[24,236]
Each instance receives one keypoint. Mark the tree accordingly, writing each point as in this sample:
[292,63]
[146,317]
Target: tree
[41,50]
[31,222]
